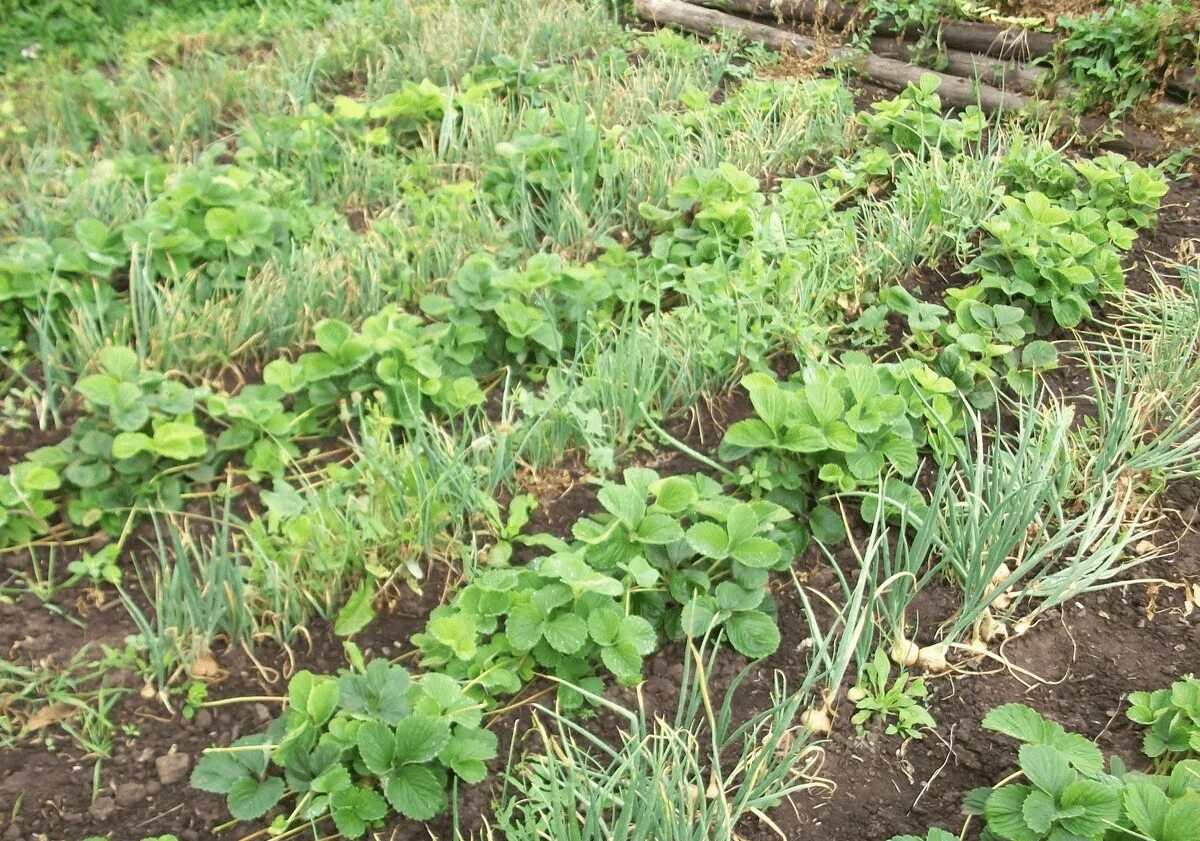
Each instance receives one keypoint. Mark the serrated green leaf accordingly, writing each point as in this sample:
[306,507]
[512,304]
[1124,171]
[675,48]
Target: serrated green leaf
[249,799]
[376,745]
[604,623]
[638,634]
[1147,808]
[698,614]
[216,772]
[1039,811]
[468,751]
[624,661]
[674,494]
[758,552]
[415,792]
[1046,767]
[1018,722]
[566,633]
[624,503]
[709,540]
[753,633]
[419,738]
[524,627]
[1101,807]
[1005,815]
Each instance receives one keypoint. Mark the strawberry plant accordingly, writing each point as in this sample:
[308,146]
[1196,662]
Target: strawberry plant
[1050,260]
[709,214]
[667,556]
[354,747]
[913,121]
[393,354]
[1066,793]
[259,429]
[1121,190]
[1173,718]
[530,316]
[401,113]
[210,217]
[241,774]
[26,502]
[838,428]
[1120,55]
[982,341]
[139,422]
[35,276]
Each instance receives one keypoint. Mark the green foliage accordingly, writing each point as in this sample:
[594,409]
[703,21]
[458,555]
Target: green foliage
[1066,793]
[37,276]
[1056,254]
[394,354]
[355,747]
[902,700]
[922,15]
[934,834]
[99,566]
[709,214]
[982,342]
[140,427]
[1054,261]
[1120,55]
[211,225]
[1173,718]
[913,122]
[644,786]
[531,316]
[80,29]
[214,218]
[26,501]
[1120,190]
[668,556]
[840,426]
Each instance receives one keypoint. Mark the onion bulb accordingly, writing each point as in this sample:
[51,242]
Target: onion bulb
[816,721]
[905,652]
[855,694]
[932,658]
[990,628]
[977,646]
[1002,574]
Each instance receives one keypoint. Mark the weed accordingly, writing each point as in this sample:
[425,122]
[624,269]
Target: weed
[903,700]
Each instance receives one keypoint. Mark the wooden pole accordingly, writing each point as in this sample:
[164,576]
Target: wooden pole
[968,36]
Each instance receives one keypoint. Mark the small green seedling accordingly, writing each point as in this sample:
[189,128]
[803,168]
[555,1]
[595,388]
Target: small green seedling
[903,700]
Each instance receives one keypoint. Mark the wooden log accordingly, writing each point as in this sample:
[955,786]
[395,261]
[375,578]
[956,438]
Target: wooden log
[999,41]
[997,72]
[823,12]
[1185,89]
[968,36]
[955,91]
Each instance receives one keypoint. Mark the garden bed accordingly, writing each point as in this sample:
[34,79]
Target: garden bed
[532,389]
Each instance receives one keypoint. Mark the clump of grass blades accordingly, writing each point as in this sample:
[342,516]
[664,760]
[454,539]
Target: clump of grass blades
[1145,375]
[695,776]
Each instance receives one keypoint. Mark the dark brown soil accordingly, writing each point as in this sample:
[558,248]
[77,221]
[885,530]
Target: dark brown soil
[1090,656]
